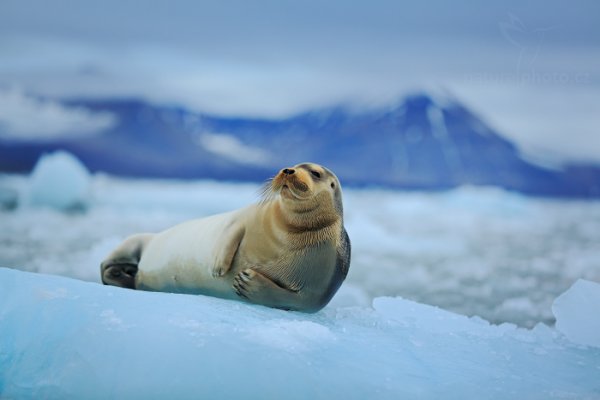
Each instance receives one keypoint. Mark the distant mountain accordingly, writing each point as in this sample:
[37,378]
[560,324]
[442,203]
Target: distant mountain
[422,143]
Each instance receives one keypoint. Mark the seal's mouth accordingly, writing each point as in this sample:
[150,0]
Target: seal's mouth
[289,191]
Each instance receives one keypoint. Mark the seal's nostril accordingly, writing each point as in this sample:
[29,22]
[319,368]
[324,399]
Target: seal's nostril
[288,171]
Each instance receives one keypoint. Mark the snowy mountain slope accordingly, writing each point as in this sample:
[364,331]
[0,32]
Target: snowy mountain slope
[422,143]
[63,338]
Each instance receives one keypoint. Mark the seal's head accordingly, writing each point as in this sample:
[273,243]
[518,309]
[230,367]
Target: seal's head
[309,194]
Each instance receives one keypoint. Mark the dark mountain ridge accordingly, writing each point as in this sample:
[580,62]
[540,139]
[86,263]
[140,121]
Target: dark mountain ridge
[421,143]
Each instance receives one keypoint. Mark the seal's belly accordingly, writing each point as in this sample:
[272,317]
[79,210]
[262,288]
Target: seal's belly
[180,259]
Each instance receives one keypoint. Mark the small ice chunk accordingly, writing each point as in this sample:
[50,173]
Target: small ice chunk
[576,313]
[8,199]
[59,180]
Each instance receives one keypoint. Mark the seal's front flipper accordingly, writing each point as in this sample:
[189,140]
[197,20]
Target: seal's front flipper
[121,266]
[225,251]
[257,288]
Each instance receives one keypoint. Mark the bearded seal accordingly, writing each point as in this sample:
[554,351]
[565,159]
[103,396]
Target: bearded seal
[288,251]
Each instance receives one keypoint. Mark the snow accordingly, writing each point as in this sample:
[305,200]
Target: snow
[65,338]
[577,314]
[59,180]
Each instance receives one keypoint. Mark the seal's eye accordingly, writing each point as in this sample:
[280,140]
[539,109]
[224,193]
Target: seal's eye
[332,185]
[315,174]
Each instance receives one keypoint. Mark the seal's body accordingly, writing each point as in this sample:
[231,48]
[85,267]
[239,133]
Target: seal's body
[289,251]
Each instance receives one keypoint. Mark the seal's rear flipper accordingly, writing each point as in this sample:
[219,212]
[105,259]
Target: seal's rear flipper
[121,266]
[122,275]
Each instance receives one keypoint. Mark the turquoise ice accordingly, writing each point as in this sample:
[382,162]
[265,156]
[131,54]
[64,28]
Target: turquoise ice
[65,338]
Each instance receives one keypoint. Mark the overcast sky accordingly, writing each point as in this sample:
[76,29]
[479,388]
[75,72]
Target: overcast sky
[531,69]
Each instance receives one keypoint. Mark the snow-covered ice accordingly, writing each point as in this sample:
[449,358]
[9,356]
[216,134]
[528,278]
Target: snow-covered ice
[59,180]
[65,338]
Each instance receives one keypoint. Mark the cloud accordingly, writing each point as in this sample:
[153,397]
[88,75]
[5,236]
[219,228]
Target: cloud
[275,59]
[28,118]
[559,123]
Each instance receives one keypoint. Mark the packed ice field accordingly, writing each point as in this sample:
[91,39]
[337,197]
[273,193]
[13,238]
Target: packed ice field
[475,251]
[513,319]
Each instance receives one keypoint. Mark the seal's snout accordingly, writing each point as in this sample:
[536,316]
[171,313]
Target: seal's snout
[291,182]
